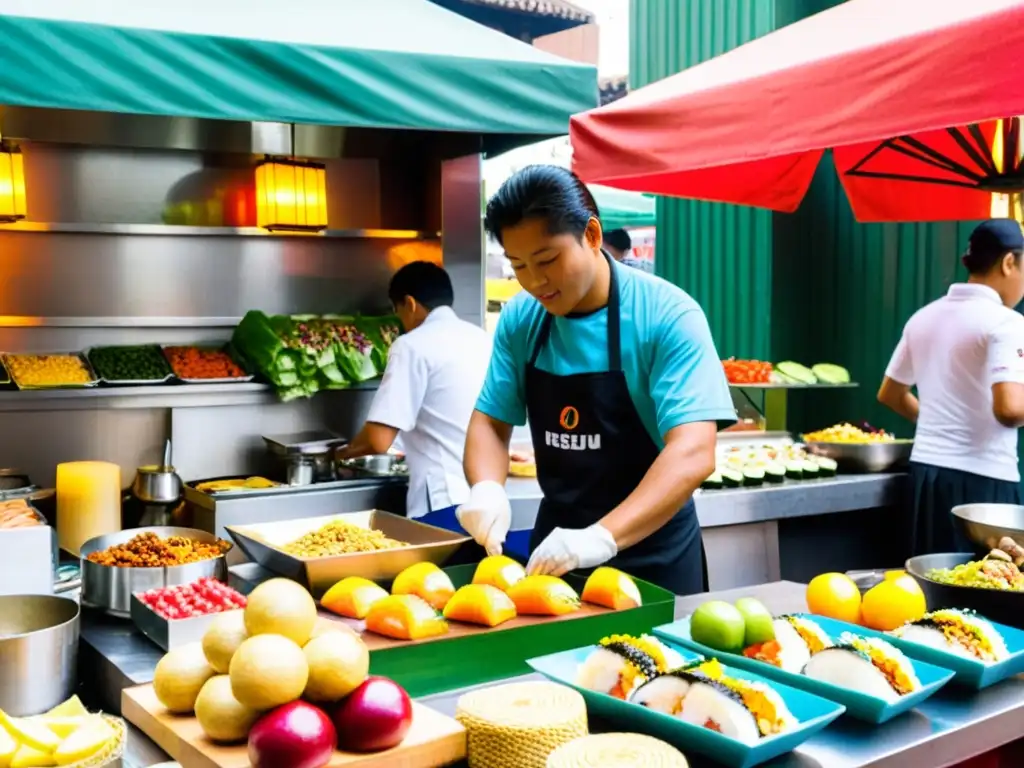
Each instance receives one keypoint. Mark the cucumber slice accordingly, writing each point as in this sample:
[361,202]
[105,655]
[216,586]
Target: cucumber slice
[794,470]
[731,478]
[753,476]
[826,467]
[811,469]
[775,472]
[798,372]
[827,373]
[713,483]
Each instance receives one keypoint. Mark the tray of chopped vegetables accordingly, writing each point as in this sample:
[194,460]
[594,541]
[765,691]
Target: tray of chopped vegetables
[124,365]
[49,370]
[201,364]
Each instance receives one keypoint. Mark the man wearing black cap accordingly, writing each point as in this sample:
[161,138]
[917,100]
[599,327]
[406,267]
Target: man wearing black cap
[965,355]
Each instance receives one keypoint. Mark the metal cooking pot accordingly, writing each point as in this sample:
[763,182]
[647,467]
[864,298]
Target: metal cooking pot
[38,652]
[110,588]
[986,524]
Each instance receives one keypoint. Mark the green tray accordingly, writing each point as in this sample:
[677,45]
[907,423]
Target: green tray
[445,664]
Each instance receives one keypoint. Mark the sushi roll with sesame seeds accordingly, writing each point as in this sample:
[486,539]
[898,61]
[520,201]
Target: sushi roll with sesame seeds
[665,693]
[617,668]
[867,665]
[710,704]
[962,633]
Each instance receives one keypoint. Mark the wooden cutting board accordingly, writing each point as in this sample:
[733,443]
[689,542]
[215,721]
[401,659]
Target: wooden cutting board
[434,739]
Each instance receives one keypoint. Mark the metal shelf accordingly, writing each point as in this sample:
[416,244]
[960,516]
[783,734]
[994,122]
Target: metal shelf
[143,396]
[175,230]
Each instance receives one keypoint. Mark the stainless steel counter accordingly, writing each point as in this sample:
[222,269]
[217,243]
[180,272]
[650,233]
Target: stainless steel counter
[742,506]
[746,530]
[950,727]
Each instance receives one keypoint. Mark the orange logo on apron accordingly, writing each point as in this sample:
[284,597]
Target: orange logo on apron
[569,418]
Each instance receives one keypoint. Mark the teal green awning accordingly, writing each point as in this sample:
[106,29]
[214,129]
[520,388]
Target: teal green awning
[405,64]
[620,208]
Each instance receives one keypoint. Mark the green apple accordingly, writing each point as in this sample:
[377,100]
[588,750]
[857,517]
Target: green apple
[718,625]
[758,621]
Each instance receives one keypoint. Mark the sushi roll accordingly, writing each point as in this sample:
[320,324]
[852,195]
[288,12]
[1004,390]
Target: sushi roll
[665,693]
[740,709]
[811,469]
[796,638]
[814,637]
[961,633]
[867,665]
[620,664]
[795,469]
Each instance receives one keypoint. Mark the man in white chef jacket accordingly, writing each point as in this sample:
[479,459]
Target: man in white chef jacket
[433,377]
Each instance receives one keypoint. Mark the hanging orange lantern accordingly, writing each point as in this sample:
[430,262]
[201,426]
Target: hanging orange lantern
[291,196]
[12,184]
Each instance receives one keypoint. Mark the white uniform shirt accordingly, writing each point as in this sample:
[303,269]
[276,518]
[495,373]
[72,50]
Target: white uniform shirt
[954,350]
[429,390]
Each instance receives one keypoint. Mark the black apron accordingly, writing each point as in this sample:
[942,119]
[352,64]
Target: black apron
[592,451]
[934,491]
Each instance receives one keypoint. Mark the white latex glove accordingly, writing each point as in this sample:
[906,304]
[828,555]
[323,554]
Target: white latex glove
[487,515]
[566,550]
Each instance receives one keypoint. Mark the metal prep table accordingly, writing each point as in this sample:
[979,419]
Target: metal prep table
[948,728]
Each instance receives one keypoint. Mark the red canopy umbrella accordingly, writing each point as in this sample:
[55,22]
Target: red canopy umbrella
[909,94]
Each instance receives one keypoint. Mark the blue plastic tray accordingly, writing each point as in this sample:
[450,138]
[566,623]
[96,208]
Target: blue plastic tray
[969,673]
[861,706]
[812,712]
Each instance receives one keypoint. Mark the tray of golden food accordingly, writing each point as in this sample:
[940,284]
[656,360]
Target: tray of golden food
[320,551]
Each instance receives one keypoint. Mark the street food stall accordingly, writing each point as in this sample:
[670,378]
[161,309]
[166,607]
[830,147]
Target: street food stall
[224,182]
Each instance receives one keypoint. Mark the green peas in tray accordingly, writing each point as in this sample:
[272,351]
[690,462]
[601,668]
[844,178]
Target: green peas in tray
[141,364]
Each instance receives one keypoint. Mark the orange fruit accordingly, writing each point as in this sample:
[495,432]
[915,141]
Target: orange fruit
[834,595]
[893,603]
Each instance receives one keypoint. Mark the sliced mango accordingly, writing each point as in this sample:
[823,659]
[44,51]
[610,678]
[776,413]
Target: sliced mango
[405,617]
[29,757]
[427,581]
[499,571]
[480,604]
[8,746]
[94,735]
[29,732]
[542,595]
[611,588]
[353,597]
[73,707]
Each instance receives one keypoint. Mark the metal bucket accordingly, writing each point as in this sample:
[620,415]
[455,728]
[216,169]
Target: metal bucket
[38,652]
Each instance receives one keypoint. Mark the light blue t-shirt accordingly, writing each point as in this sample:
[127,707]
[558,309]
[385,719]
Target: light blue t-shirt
[672,369]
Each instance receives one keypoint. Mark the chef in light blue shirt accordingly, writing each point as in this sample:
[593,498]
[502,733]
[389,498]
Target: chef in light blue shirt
[618,376]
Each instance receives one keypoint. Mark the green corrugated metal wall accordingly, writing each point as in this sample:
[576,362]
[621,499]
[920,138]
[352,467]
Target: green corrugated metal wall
[720,254]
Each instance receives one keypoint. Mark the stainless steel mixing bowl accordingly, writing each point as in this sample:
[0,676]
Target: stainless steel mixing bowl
[985,524]
[110,588]
[865,457]
[38,652]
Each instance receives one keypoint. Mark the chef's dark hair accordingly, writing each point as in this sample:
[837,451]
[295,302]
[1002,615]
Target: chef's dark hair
[426,282]
[618,239]
[555,195]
